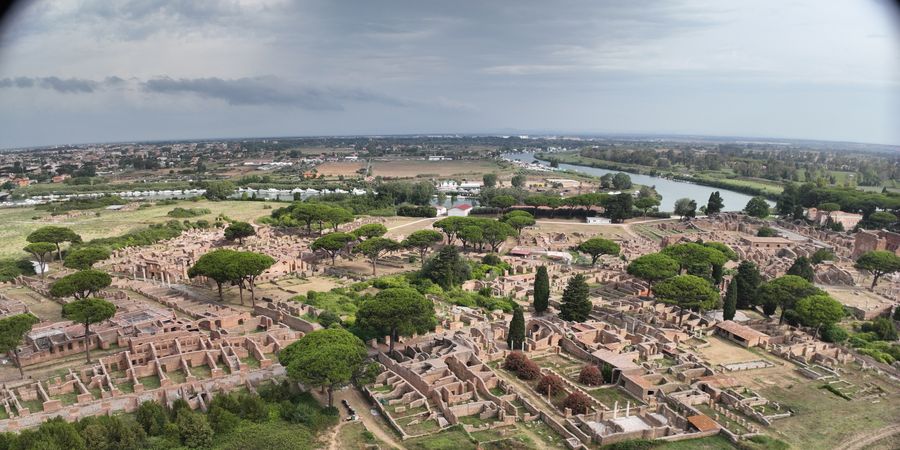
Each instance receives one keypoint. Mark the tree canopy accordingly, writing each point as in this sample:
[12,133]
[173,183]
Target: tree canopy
[597,247]
[819,310]
[694,258]
[238,231]
[757,207]
[653,267]
[216,266]
[81,284]
[423,241]
[687,292]
[55,235]
[41,251]
[784,291]
[447,268]
[334,243]
[375,247]
[83,258]
[685,207]
[715,203]
[328,358]
[88,311]
[370,230]
[12,330]
[396,312]
[879,262]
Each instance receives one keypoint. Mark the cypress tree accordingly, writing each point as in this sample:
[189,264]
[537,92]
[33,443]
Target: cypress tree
[516,335]
[576,306]
[730,306]
[750,280]
[541,290]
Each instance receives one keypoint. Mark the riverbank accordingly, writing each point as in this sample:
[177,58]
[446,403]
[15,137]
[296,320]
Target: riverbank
[749,187]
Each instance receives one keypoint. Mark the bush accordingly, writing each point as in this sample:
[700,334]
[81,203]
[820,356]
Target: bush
[185,213]
[529,370]
[577,402]
[194,430]
[152,417]
[882,327]
[766,232]
[834,333]
[222,420]
[177,407]
[491,259]
[326,318]
[590,375]
[550,384]
[416,211]
[515,361]
[253,408]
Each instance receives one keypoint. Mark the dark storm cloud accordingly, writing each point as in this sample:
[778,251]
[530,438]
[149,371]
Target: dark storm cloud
[268,90]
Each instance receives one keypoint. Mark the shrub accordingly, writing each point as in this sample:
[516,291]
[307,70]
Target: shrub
[882,327]
[550,384]
[152,417]
[766,232]
[529,370]
[416,211]
[577,402]
[194,430]
[253,408]
[177,407]
[222,420]
[515,361]
[184,213]
[326,318]
[491,259]
[834,333]
[590,375]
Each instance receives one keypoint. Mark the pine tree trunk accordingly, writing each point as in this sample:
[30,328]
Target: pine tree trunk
[19,363]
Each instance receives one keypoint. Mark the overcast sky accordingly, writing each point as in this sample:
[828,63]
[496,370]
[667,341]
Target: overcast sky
[105,70]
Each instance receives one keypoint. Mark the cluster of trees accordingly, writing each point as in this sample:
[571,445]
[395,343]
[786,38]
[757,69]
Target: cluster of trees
[795,197]
[232,266]
[308,213]
[478,232]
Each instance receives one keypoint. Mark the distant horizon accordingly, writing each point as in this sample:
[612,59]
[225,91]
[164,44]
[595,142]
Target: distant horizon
[509,133]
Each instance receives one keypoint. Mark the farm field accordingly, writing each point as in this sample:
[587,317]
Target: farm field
[413,168]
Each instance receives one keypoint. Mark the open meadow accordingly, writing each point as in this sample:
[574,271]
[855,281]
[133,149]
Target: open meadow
[17,223]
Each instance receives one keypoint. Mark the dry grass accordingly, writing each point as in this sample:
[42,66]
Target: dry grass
[17,223]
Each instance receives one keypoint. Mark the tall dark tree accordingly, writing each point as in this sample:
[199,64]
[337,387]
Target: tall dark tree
[541,290]
[802,268]
[715,203]
[576,304]
[757,207]
[729,308]
[516,335]
[749,277]
[447,268]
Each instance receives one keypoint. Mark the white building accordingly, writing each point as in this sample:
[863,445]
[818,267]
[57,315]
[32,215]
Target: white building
[597,220]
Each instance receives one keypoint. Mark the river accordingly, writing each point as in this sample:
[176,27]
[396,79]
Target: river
[671,190]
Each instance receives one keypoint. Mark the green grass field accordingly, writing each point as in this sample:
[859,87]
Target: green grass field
[17,223]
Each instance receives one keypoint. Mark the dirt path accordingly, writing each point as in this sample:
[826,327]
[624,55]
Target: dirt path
[375,424]
[861,440]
